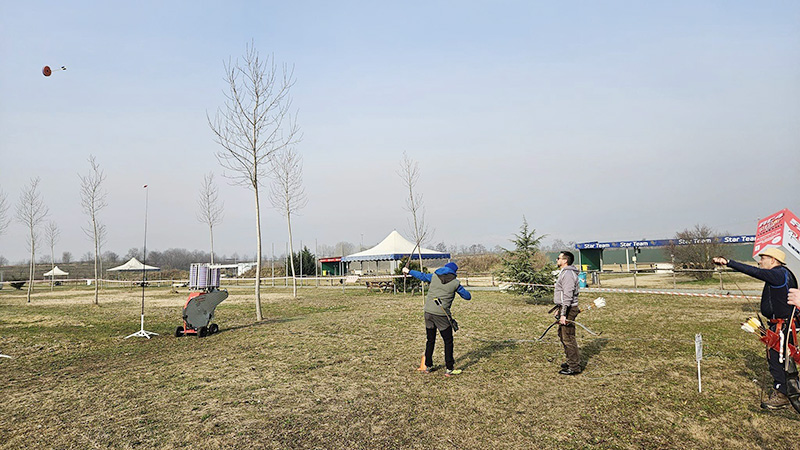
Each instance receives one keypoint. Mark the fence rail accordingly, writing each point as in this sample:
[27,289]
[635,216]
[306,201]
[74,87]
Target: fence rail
[647,278]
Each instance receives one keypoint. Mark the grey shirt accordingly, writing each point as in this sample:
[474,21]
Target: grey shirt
[566,288]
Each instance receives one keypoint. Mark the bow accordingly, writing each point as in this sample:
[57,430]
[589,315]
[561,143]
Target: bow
[599,302]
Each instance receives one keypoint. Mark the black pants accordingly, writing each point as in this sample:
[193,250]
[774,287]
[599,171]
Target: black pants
[447,337]
[775,366]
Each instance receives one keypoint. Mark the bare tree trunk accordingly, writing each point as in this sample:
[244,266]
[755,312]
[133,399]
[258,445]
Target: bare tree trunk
[291,255]
[52,269]
[96,259]
[211,230]
[259,316]
[32,266]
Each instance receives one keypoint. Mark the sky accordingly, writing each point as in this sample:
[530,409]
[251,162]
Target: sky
[595,121]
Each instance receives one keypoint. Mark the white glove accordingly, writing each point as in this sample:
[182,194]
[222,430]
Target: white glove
[405,270]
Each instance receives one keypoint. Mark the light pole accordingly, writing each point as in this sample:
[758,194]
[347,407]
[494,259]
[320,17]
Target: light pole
[142,332]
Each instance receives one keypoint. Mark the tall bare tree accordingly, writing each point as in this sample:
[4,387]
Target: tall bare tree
[694,249]
[4,217]
[93,199]
[211,210]
[409,173]
[254,123]
[287,194]
[31,211]
[51,234]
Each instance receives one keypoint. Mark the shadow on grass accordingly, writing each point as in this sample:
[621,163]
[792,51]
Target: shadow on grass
[258,324]
[470,359]
[592,349]
[545,301]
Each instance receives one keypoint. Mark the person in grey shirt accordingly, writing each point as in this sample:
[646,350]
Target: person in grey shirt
[566,297]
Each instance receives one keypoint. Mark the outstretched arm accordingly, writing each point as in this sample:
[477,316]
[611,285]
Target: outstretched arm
[463,293]
[418,275]
[773,277]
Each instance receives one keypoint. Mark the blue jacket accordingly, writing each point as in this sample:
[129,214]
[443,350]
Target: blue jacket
[426,277]
[777,281]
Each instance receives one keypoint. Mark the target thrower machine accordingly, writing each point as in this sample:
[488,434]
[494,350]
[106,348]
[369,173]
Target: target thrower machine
[205,295]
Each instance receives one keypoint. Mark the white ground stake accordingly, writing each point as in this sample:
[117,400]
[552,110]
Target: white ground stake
[5,356]
[698,355]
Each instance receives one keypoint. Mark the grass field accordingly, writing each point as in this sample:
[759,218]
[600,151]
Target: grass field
[337,370]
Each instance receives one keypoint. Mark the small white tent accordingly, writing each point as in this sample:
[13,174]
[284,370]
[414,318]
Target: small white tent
[56,272]
[133,266]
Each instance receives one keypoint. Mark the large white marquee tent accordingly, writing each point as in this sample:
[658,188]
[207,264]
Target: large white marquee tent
[393,248]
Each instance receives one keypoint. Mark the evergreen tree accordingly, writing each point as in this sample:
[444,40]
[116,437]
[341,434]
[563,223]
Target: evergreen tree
[410,284]
[308,262]
[527,264]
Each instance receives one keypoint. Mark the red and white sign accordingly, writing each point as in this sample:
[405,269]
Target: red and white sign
[780,230]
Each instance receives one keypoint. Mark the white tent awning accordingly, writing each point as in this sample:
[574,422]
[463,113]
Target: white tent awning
[132,266]
[393,248]
[55,272]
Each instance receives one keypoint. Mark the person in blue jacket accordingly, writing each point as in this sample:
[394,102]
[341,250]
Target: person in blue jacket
[777,281]
[442,290]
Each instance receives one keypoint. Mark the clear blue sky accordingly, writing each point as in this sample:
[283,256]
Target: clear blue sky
[594,120]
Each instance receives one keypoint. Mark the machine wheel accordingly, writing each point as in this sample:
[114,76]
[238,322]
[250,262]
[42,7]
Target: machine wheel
[214,328]
[179,332]
[202,332]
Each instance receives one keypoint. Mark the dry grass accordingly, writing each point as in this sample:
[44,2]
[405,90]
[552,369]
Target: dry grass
[336,370]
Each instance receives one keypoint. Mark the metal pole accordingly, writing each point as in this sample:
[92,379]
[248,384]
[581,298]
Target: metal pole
[286,266]
[301,263]
[627,259]
[144,247]
[142,332]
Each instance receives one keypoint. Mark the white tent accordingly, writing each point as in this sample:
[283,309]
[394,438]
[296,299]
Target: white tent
[394,248]
[133,266]
[56,272]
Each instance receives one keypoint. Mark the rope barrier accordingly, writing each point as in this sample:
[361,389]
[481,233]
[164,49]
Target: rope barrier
[642,291]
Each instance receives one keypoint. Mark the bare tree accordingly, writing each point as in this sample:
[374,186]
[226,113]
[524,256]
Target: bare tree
[254,123]
[287,194]
[93,199]
[210,208]
[693,249]
[409,172]
[31,211]
[4,218]
[51,234]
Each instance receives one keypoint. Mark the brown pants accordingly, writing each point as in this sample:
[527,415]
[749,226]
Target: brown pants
[567,335]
